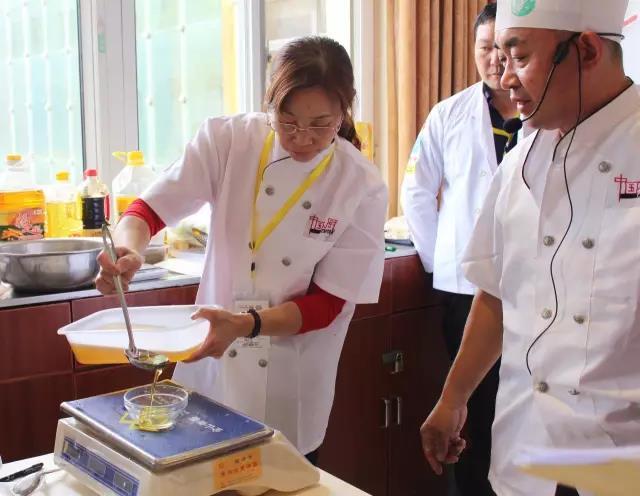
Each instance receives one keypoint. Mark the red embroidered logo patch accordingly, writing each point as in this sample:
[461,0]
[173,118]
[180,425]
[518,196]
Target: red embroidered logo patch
[323,229]
[627,189]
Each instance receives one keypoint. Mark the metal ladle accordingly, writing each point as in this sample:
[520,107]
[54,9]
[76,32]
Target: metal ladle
[143,359]
[31,482]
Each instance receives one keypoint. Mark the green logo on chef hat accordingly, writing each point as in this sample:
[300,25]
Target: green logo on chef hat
[522,8]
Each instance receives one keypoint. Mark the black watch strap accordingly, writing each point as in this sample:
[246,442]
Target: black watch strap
[257,323]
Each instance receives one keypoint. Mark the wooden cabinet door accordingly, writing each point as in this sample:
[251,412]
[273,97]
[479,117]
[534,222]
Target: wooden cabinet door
[29,343]
[418,335]
[29,412]
[355,447]
[411,287]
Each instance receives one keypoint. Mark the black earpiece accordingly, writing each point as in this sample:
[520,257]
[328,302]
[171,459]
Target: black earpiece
[561,53]
[563,49]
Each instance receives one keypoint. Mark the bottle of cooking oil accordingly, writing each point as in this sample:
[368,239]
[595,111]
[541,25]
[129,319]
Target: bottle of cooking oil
[94,203]
[22,204]
[62,219]
[131,181]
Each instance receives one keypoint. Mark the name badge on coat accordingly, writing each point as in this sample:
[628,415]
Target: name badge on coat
[245,367]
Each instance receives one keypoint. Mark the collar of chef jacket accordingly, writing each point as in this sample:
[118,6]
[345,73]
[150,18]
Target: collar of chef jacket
[550,147]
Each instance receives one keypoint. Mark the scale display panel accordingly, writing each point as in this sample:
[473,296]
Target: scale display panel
[99,468]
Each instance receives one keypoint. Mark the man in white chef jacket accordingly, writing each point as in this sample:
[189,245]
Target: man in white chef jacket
[456,154]
[556,250]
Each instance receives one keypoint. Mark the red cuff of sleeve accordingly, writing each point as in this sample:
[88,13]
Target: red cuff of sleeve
[141,209]
[318,308]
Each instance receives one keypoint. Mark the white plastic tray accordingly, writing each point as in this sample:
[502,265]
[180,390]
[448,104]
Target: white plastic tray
[101,338]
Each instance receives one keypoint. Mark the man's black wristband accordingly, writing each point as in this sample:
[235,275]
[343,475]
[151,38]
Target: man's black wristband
[257,323]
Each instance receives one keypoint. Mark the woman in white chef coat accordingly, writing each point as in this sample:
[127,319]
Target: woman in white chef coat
[295,241]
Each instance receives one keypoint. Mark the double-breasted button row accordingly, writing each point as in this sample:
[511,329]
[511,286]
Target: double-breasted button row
[262,362]
[270,191]
[587,243]
[543,387]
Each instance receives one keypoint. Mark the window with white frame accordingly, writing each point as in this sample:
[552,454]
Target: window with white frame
[288,19]
[187,53]
[85,78]
[40,85]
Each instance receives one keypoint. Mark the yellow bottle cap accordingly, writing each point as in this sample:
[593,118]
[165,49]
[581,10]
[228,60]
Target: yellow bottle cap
[62,176]
[14,157]
[134,158]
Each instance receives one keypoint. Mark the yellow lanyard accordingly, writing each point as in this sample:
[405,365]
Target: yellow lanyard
[502,132]
[258,238]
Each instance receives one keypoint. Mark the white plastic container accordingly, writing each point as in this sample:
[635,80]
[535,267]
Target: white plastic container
[131,181]
[101,338]
[63,219]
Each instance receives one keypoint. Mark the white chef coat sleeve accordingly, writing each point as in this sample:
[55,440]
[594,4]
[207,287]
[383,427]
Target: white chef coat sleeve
[482,260]
[352,269]
[422,179]
[192,181]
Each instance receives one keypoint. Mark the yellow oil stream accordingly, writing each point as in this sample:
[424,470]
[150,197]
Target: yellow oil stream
[154,418]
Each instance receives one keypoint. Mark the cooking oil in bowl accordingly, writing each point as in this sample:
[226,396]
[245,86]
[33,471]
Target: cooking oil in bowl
[156,407]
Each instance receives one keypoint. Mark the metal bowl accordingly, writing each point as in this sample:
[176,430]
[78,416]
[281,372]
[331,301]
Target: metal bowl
[47,265]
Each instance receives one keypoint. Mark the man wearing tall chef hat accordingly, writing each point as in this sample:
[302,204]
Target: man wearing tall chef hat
[556,251]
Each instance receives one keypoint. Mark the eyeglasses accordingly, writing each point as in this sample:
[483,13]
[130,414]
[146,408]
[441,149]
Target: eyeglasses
[320,132]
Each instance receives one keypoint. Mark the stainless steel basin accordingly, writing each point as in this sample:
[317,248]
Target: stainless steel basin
[50,264]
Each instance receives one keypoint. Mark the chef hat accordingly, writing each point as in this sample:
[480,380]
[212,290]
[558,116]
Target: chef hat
[599,16]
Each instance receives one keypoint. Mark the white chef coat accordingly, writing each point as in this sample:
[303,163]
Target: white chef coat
[585,385]
[455,150]
[289,385]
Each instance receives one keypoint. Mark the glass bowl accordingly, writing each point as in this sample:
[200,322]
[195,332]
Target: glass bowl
[161,413]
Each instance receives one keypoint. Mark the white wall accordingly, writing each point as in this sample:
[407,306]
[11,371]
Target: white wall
[631,43]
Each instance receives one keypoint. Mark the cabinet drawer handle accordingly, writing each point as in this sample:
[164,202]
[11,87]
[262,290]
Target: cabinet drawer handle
[395,359]
[398,401]
[387,413]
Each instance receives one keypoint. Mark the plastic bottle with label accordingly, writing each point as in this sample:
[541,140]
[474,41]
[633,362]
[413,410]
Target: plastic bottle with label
[62,218]
[94,203]
[22,203]
[129,184]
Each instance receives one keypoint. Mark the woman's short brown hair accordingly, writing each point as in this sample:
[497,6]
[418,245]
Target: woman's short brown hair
[314,61]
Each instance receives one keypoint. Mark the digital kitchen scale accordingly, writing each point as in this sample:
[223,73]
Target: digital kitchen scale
[210,449]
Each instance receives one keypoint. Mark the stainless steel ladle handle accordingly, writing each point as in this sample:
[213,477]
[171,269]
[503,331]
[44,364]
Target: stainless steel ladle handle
[110,247]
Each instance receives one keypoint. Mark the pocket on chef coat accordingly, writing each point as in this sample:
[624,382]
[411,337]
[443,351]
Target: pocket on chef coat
[616,275]
[314,249]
